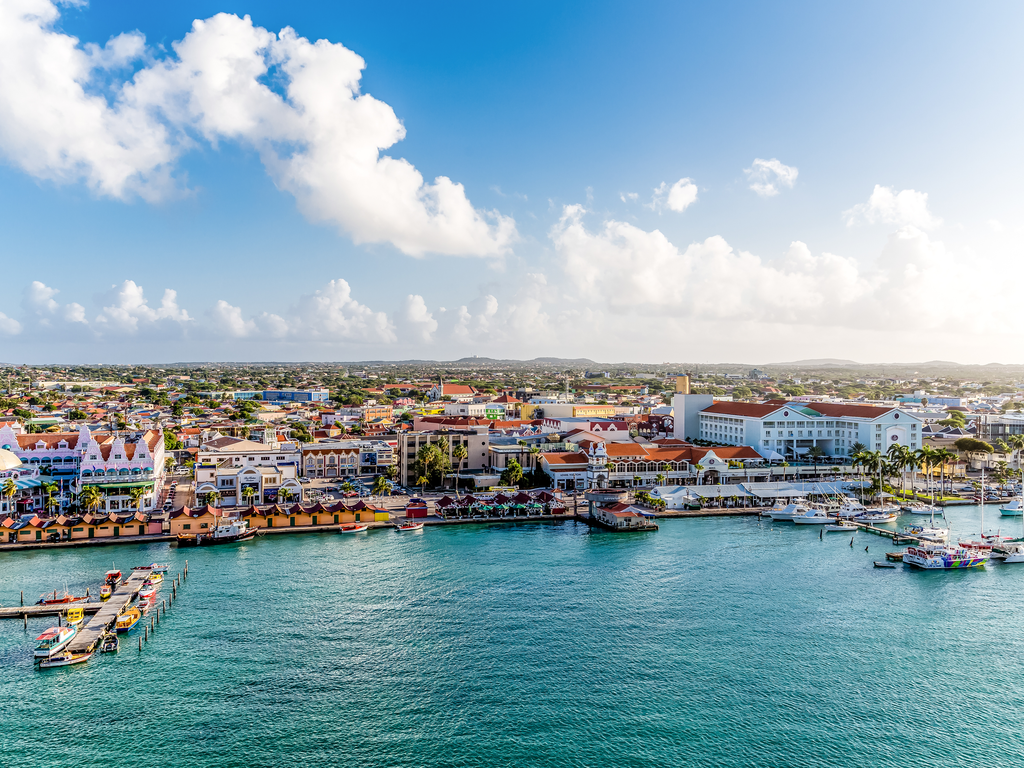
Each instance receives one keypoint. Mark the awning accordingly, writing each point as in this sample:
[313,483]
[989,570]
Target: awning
[119,485]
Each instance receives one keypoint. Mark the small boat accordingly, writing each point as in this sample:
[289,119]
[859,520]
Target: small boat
[127,620]
[814,517]
[147,591]
[155,567]
[109,643]
[55,599]
[944,557]
[106,591]
[895,557]
[155,578]
[786,513]
[926,533]
[884,564]
[65,659]
[113,577]
[353,527]
[850,508]
[917,508]
[145,605]
[876,517]
[840,526]
[409,527]
[75,616]
[1013,509]
[54,640]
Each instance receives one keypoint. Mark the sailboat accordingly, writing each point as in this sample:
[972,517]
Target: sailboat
[985,541]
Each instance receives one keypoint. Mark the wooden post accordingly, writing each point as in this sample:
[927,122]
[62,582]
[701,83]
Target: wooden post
[23,597]
[146,630]
[86,591]
[25,616]
[140,643]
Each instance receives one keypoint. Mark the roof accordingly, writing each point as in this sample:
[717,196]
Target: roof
[840,410]
[752,410]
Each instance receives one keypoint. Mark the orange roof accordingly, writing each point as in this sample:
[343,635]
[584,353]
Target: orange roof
[566,459]
[755,410]
[840,410]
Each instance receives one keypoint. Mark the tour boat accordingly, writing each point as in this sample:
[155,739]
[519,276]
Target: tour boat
[127,620]
[55,599]
[106,591]
[814,517]
[229,532]
[65,659]
[110,643]
[409,527]
[353,527]
[944,557]
[74,616]
[113,578]
[53,640]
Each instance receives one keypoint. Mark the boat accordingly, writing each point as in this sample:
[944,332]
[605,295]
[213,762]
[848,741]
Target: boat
[147,591]
[230,531]
[917,508]
[74,616]
[127,620]
[65,659]
[840,526]
[409,527]
[55,599]
[155,578]
[926,533]
[109,643]
[814,517]
[1013,509]
[850,508]
[353,527]
[876,516]
[145,605]
[155,567]
[106,591]
[786,513]
[985,541]
[944,557]
[884,564]
[113,578]
[54,640]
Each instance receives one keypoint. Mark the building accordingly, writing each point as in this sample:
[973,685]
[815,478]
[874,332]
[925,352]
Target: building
[787,430]
[459,392]
[347,458]
[319,395]
[475,439]
[230,465]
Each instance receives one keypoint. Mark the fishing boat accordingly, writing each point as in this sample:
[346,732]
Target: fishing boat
[127,620]
[74,616]
[353,527]
[814,517]
[113,577]
[944,557]
[54,640]
[106,591]
[65,659]
[55,599]
[409,527]
[109,643]
[229,532]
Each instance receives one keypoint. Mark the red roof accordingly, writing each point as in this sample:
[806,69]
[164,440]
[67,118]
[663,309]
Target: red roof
[840,410]
[755,410]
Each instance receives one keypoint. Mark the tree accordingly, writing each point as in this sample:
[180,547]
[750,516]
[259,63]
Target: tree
[77,414]
[421,481]
[49,489]
[460,454]
[136,495]
[970,445]
[10,490]
[286,494]
[212,497]
[248,493]
[815,453]
[171,442]
[380,486]
[91,498]
[347,487]
[512,474]
[659,479]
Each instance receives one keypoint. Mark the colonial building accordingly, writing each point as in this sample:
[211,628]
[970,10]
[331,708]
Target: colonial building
[458,392]
[230,465]
[347,458]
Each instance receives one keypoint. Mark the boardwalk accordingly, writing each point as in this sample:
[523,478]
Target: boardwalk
[33,611]
[90,635]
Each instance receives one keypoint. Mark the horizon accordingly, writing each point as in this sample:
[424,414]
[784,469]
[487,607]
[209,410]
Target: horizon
[409,182]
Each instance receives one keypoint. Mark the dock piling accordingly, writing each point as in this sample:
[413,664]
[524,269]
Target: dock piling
[25,616]
[146,631]
[140,643]
[23,597]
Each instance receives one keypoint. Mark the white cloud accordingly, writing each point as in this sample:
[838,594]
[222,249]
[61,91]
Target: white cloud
[319,137]
[227,319]
[129,311]
[628,197]
[415,322]
[766,177]
[331,314]
[677,198]
[9,326]
[885,206]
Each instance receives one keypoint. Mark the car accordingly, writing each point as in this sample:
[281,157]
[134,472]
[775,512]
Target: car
[349,494]
[304,480]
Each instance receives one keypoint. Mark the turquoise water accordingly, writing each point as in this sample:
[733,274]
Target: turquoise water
[715,641]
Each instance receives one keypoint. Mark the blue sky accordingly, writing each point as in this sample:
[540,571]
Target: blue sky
[886,202]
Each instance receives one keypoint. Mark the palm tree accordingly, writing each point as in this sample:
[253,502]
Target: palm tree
[136,495]
[1017,444]
[659,479]
[212,497]
[444,454]
[380,486]
[248,493]
[10,490]
[460,454]
[51,503]
[91,498]
[49,489]
[637,480]
[421,481]
[286,494]
[815,452]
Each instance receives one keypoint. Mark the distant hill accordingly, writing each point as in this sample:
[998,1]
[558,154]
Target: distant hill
[817,362]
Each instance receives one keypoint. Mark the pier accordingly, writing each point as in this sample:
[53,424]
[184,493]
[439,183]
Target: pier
[35,611]
[88,637]
[896,536]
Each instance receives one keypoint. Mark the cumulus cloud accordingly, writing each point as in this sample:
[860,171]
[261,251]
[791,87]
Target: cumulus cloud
[886,206]
[9,326]
[129,310]
[39,301]
[297,102]
[677,198]
[415,322]
[767,177]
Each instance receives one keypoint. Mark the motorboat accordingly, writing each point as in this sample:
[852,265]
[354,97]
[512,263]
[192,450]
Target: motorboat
[876,516]
[147,591]
[54,640]
[353,527]
[127,620]
[106,591]
[786,513]
[109,643]
[1013,509]
[944,557]
[850,508]
[155,567]
[229,532]
[55,599]
[926,533]
[113,577]
[145,605]
[409,527]
[917,508]
[74,616]
[155,578]
[814,517]
[65,659]
[840,525]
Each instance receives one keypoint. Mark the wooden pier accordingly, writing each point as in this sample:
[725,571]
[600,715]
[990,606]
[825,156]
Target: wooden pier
[89,636]
[896,536]
[34,611]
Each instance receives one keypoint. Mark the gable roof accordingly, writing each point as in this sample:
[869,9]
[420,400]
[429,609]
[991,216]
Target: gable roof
[753,410]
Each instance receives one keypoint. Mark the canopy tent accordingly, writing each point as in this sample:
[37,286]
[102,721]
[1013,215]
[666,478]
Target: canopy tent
[444,502]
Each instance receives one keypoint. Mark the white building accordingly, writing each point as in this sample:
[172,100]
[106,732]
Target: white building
[791,429]
[228,465]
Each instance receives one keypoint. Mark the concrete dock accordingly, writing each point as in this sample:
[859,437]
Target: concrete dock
[89,636]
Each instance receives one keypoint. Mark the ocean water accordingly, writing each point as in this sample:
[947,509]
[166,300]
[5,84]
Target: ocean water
[714,641]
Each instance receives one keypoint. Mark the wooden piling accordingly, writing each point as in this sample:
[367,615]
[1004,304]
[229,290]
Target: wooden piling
[25,616]
[146,631]
[23,597]
[140,643]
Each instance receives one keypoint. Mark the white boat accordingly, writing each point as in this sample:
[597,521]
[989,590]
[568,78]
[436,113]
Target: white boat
[927,533]
[1013,509]
[876,516]
[917,508]
[785,514]
[353,527]
[54,640]
[65,659]
[814,517]
[850,508]
[409,527]
[841,526]
[944,557]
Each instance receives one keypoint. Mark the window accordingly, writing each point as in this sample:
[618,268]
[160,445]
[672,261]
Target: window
[204,525]
[187,526]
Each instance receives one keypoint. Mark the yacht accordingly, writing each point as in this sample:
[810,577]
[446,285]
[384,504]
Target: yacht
[850,508]
[1013,509]
[814,517]
[917,508]
[884,515]
[927,533]
[789,511]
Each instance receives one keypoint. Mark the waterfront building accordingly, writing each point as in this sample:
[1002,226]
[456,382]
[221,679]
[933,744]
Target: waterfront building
[784,430]
[229,465]
[347,458]
[475,439]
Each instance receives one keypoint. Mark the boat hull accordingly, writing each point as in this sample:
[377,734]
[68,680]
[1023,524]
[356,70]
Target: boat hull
[948,560]
[210,540]
[65,660]
[354,529]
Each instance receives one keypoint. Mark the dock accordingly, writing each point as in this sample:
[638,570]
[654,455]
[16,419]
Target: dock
[89,636]
[34,611]
[896,536]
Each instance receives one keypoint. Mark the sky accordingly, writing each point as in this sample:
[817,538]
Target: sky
[656,182]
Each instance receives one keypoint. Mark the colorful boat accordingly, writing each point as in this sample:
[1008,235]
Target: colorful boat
[74,616]
[65,659]
[147,591]
[145,605]
[155,578]
[409,527]
[55,599]
[353,527]
[113,578]
[106,591]
[127,620]
[53,641]
[944,557]
[155,567]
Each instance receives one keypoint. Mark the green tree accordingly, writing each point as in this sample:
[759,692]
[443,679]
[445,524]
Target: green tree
[91,498]
[136,495]
[212,497]
[460,454]
[380,486]
[49,489]
[512,474]
[248,493]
